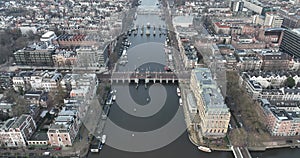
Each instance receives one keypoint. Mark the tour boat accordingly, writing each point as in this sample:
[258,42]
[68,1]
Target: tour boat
[178,91]
[205,149]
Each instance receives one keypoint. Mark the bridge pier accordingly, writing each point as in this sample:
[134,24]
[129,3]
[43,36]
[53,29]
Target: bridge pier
[167,81]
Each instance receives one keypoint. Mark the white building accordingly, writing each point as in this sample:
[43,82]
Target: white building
[45,80]
[273,20]
[183,21]
[266,79]
[214,113]
[48,37]
[18,82]
[257,87]
[15,132]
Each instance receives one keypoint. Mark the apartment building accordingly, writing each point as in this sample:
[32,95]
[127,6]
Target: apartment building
[64,129]
[214,113]
[258,87]
[37,54]
[273,20]
[275,61]
[280,122]
[290,42]
[45,80]
[269,78]
[89,57]
[15,131]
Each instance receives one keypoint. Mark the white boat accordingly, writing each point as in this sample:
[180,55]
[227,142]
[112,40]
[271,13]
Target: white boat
[114,97]
[135,16]
[205,149]
[178,92]
[103,139]
[147,32]
[180,101]
[109,101]
[94,150]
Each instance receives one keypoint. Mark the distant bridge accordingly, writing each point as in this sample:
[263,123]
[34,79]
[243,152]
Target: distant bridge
[241,152]
[146,76]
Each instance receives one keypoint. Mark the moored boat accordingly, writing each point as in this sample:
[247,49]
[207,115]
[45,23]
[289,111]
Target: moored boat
[205,149]
[178,91]
[103,139]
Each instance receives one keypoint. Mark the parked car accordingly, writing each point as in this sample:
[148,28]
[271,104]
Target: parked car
[47,153]
[57,148]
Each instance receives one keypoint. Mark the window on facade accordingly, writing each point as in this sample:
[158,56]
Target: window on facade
[66,138]
[59,139]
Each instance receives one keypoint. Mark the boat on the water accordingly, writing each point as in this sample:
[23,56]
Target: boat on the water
[205,149]
[103,139]
[178,92]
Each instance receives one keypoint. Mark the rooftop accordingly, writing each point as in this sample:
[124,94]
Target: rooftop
[64,119]
[20,121]
[222,25]
[48,34]
[281,114]
[297,31]
[7,124]
[266,74]
[210,91]
[39,136]
[183,19]
[203,75]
